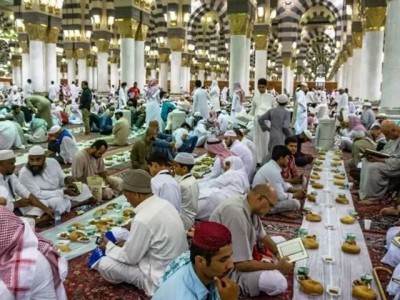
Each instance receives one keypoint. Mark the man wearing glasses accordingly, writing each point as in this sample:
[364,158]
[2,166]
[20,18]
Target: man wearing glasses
[256,270]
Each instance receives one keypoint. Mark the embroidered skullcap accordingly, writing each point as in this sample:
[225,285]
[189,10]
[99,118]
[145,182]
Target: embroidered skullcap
[6,154]
[282,99]
[137,181]
[230,133]
[308,134]
[197,114]
[368,104]
[36,150]
[54,129]
[211,236]
[184,158]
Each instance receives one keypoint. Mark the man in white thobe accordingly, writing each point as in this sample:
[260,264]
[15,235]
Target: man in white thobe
[44,178]
[202,131]
[343,104]
[301,115]
[9,136]
[200,100]
[225,122]
[53,90]
[240,150]
[74,92]
[260,105]
[122,98]
[65,142]
[28,88]
[156,237]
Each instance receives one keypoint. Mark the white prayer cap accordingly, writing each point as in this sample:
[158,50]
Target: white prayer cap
[308,134]
[6,155]
[184,158]
[382,115]
[367,104]
[197,114]
[118,111]
[224,112]
[282,99]
[2,117]
[54,129]
[15,88]
[359,134]
[36,150]
[230,133]
[303,84]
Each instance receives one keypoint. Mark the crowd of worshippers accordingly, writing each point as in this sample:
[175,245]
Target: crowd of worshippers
[254,174]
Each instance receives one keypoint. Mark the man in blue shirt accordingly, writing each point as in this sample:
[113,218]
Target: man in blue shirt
[106,122]
[202,273]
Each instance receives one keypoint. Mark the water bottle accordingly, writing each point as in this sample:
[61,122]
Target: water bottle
[57,218]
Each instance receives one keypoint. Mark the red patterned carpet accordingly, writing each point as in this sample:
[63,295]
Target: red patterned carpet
[82,283]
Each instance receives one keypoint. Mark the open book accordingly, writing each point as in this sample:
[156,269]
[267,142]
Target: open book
[396,241]
[375,153]
[293,249]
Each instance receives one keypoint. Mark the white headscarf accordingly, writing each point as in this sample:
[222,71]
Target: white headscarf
[214,85]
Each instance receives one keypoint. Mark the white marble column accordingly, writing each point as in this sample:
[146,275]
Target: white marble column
[176,74]
[349,74]
[371,65]
[237,61]
[59,75]
[183,78]
[95,78]
[51,63]
[163,76]
[247,68]
[114,74]
[89,76]
[128,60]
[391,65]
[153,73]
[36,65]
[286,78]
[202,76]
[140,70]
[82,72]
[261,64]
[25,68]
[102,72]
[213,75]
[70,70]
[340,77]
[356,73]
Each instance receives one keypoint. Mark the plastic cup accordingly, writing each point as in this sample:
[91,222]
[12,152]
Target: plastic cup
[367,224]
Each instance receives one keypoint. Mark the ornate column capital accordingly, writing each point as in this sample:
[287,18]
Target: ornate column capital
[176,44]
[286,61]
[113,59]
[36,32]
[16,63]
[164,58]
[81,53]
[24,46]
[127,27]
[239,23]
[249,30]
[141,32]
[52,35]
[357,40]
[261,42]
[102,45]
[375,18]
[69,53]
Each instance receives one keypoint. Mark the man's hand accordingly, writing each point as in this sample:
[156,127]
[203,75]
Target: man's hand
[3,201]
[372,158]
[71,191]
[35,202]
[284,266]
[227,289]
[300,194]
[103,245]
[69,180]
[113,184]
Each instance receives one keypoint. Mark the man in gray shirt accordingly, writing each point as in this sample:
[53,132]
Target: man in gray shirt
[255,271]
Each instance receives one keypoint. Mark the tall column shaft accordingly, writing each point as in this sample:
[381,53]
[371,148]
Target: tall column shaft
[114,74]
[356,82]
[176,74]
[36,65]
[261,64]
[71,70]
[140,70]
[153,73]
[202,75]
[349,74]
[25,67]
[82,72]
[89,77]
[237,61]
[286,78]
[391,65]
[247,68]
[371,65]
[128,60]
[102,72]
[51,63]
[163,81]
[95,78]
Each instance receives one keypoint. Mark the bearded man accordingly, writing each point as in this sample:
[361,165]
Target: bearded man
[44,178]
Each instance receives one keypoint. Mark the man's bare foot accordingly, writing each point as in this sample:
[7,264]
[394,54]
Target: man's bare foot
[43,219]
[389,211]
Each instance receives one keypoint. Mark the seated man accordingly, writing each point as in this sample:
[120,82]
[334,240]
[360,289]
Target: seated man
[44,178]
[37,132]
[361,143]
[175,119]
[163,184]
[62,142]
[89,162]
[241,136]
[254,271]
[11,188]
[9,135]
[156,238]
[202,272]
[17,115]
[121,129]
[301,158]
[142,149]
[240,150]
[106,122]
[163,143]
[271,173]
[376,172]
[30,267]
[202,131]
[183,141]
[290,174]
